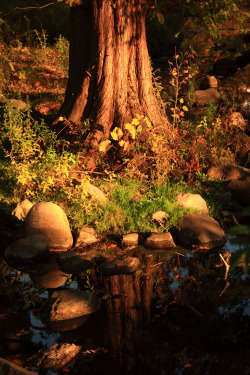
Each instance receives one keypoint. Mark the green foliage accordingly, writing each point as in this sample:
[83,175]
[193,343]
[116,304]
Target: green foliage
[36,165]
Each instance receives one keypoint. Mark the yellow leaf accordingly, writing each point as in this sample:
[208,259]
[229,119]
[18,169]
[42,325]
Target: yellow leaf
[139,129]
[116,133]
[185,108]
[181,100]
[131,130]
[140,117]
[149,125]
[61,118]
[104,145]
[135,121]
[182,114]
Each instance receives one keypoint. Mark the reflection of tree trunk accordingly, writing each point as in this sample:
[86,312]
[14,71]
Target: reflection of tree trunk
[128,308]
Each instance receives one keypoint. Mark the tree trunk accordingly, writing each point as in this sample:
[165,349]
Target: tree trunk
[110,79]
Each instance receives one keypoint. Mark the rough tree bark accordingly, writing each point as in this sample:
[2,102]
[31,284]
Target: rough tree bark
[110,77]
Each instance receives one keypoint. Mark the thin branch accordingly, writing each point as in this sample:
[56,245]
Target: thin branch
[30,8]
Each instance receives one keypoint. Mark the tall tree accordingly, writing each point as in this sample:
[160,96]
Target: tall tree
[110,78]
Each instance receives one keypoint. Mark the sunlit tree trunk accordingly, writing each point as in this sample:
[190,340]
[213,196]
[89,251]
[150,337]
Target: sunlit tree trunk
[110,77]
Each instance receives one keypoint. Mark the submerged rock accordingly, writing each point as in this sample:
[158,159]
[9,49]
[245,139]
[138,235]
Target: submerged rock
[55,357]
[70,262]
[69,304]
[50,220]
[200,231]
[28,249]
[160,241]
[120,266]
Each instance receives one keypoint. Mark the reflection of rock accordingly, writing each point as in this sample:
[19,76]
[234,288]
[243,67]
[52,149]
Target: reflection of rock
[68,304]
[55,357]
[22,209]
[68,325]
[85,237]
[8,368]
[70,262]
[28,249]
[49,275]
[194,201]
[201,231]
[50,220]
[120,266]
[130,240]
[160,241]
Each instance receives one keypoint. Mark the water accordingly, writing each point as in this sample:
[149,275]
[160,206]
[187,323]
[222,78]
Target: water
[175,317]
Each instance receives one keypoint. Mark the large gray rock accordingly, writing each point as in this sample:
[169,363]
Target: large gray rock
[160,241]
[55,357]
[203,97]
[242,145]
[9,368]
[69,304]
[227,172]
[193,201]
[28,249]
[120,266]
[22,209]
[237,120]
[240,190]
[200,231]
[72,263]
[50,220]
[208,82]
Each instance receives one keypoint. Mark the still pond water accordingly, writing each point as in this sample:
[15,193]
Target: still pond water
[178,315]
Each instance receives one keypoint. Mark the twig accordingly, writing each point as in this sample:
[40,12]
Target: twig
[226,265]
[30,8]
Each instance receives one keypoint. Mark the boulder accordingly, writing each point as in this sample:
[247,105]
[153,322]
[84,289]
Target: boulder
[200,231]
[119,266]
[240,190]
[85,236]
[204,97]
[227,172]
[22,209]
[242,145]
[193,201]
[69,304]
[70,262]
[224,67]
[208,82]
[55,357]
[237,120]
[160,241]
[50,220]
[9,368]
[130,240]
[28,249]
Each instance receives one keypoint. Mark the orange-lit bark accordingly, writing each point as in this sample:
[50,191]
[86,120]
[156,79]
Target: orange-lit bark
[109,75]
